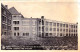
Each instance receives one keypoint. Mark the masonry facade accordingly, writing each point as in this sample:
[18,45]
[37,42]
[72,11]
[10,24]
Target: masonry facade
[15,24]
[5,21]
[52,28]
[23,27]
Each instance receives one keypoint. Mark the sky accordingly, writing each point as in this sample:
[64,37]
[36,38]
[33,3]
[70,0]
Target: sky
[60,11]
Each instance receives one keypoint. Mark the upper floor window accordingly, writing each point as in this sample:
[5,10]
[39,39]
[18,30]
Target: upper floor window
[50,23]
[46,29]
[46,23]
[58,24]
[57,29]
[63,25]
[72,26]
[54,24]
[14,16]
[15,22]
[66,25]
[16,28]
[14,34]
[50,29]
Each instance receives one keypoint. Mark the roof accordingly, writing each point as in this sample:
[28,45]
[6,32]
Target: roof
[14,11]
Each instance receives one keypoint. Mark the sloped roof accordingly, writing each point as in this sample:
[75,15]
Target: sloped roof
[14,11]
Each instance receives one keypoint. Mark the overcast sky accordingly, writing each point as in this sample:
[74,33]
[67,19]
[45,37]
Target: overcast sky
[60,11]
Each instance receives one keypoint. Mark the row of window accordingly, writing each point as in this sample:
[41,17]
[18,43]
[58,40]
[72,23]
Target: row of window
[59,24]
[24,34]
[17,16]
[54,29]
[54,34]
[27,22]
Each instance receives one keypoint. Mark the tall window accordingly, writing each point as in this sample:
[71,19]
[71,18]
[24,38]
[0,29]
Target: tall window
[14,34]
[63,25]
[54,29]
[50,23]
[57,29]
[50,29]
[57,24]
[60,25]
[54,24]
[46,23]
[66,25]
[17,34]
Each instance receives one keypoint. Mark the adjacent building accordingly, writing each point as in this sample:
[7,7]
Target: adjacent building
[52,28]
[5,21]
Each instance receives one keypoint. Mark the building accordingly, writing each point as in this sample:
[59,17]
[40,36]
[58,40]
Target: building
[35,27]
[23,27]
[52,28]
[5,21]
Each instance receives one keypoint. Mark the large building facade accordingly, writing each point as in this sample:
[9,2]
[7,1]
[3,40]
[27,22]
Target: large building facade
[13,23]
[23,27]
[52,28]
[5,21]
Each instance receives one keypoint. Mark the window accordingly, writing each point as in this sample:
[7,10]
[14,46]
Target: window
[66,30]
[50,23]
[66,34]
[5,33]
[15,22]
[60,34]
[46,29]
[42,22]
[50,29]
[76,26]
[43,28]
[63,29]
[14,16]
[50,33]
[27,34]
[46,34]
[23,34]
[58,24]
[74,30]
[17,34]
[72,26]
[54,24]
[46,23]
[14,34]
[16,28]
[63,25]
[66,25]
[57,29]
[60,29]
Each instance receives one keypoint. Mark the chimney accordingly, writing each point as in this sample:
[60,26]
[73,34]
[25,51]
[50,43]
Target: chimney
[42,17]
[6,6]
